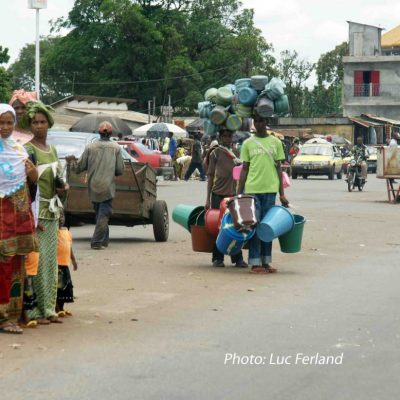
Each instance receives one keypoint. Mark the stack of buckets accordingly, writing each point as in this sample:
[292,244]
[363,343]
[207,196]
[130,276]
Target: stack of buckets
[233,105]
[216,226]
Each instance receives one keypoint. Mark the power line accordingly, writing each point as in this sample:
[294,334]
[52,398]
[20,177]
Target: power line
[179,100]
[152,80]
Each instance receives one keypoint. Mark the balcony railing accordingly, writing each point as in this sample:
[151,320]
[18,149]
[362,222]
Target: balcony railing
[367,90]
[373,90]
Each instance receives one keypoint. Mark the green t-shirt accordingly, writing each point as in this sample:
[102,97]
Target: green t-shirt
[262,176]
[47,189]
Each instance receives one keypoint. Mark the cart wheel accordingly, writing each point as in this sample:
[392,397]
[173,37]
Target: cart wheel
[160,221]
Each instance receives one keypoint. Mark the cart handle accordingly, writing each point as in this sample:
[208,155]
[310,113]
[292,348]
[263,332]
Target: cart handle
[136,179]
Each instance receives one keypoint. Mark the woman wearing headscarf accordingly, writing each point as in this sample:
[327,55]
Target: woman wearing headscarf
[17,227]
[50,185]
[18,103]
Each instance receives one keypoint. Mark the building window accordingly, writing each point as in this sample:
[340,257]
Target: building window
[366,83]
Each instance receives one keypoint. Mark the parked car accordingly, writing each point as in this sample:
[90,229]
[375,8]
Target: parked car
[162,163]
[135,202]
[318,159]
[74,143]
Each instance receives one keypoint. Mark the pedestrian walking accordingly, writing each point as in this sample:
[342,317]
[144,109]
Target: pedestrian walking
[103,162]
[221,184]
[196,161]
[50,187]
[261,177]
[17,227]
[172,146]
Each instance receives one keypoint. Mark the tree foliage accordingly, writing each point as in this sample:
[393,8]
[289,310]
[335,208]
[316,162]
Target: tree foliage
[330,65]
[5,78]
[149,48]
[295,71]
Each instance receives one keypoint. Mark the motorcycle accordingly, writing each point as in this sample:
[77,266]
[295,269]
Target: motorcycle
[354,175]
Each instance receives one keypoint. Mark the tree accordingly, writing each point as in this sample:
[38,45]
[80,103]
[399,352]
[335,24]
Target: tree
[23,70]
[151,48]
[295,71]
[5,78]
[329,68]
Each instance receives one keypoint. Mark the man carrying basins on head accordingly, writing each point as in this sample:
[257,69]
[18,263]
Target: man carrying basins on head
[261,177]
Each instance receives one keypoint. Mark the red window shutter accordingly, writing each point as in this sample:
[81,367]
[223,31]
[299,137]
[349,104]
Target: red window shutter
[375,83]
[358,83]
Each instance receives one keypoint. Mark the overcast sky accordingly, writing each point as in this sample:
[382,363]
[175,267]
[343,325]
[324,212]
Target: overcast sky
[311,27]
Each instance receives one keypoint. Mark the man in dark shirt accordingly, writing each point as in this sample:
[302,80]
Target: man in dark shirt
[196,162]
[360,151]
[221,184]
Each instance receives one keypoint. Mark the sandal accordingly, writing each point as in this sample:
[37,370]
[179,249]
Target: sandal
[68,313]
[9,327]
[258,270]
[54,319]
[62,314]
[31,324]
[270,269]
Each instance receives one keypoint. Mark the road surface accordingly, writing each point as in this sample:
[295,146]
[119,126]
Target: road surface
[157,321]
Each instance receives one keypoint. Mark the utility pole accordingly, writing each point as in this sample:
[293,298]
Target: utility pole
[73,83]
[149,110]
[154,106]
[37,5]
[169,109]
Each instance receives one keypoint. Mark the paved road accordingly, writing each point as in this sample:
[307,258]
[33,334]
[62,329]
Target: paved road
[156,321]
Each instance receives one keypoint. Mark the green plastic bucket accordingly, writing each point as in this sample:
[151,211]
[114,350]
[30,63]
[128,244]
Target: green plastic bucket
[291,242]
[187,215]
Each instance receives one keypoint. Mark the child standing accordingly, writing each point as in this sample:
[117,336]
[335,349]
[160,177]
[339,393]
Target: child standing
[65,255]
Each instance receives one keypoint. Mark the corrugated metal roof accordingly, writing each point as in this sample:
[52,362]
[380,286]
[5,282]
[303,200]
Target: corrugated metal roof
[90,99]
[132,116]
[382,119]
[295,132]
[391,38]
[363,122]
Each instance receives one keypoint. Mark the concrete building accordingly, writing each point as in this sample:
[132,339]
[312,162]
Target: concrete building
[371,82]
[302,127]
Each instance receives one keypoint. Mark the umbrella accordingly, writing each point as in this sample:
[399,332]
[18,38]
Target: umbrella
[160,130]
[90,123]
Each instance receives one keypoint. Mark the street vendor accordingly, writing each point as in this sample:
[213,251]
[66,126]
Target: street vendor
[221,160]
[261,177]
[103,161]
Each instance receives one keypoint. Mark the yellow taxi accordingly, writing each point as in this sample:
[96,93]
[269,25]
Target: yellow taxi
[318,159]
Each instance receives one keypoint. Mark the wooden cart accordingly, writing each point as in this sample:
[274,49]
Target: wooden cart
[135,202]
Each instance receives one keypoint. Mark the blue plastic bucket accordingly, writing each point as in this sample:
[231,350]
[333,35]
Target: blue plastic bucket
[242,83]
[247,96]
[278,221]
[230,241]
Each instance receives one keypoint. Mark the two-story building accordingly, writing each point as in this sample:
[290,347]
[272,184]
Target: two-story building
[371,82]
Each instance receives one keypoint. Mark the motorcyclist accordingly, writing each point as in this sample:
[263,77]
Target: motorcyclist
[360,151]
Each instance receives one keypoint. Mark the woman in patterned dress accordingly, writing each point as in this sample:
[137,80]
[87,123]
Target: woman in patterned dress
[17,227]
[50,186]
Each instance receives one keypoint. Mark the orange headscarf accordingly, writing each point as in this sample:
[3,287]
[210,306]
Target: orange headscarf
[22,96]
